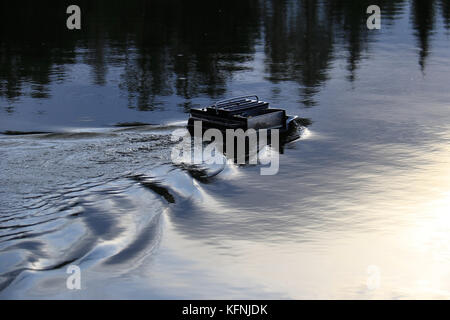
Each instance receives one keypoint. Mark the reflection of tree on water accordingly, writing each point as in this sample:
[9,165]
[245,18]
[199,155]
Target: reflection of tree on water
[298,44]
[191,48]
[34,49]
[301,39]
[445,7]
[423,22]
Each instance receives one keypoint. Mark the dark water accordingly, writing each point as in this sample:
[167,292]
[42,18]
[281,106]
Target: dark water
[367,187]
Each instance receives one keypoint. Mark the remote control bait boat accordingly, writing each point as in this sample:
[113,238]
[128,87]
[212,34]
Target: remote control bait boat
[247,112]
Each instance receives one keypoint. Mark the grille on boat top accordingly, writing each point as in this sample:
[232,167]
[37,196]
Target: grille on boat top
[240,104]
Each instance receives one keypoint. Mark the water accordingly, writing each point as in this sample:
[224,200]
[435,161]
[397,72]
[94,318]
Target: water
[359,208]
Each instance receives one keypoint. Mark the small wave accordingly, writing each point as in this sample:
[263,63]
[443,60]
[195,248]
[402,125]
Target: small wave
[154,186]
[133,124]
[22,133]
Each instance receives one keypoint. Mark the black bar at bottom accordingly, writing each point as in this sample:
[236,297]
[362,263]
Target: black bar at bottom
[230,309]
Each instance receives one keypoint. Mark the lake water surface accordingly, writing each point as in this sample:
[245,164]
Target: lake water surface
[359,209]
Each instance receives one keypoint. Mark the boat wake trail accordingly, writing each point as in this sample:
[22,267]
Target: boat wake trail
[96,199]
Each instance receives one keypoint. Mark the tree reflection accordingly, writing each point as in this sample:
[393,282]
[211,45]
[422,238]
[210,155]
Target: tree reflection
[299,44]
[192,48]
[423,23]
[445,7]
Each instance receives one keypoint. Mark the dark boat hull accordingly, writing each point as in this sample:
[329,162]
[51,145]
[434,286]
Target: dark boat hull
[244,113]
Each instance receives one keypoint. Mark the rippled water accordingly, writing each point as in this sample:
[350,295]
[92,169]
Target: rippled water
[364,193]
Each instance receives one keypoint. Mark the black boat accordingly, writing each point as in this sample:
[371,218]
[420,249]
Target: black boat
[247,112]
